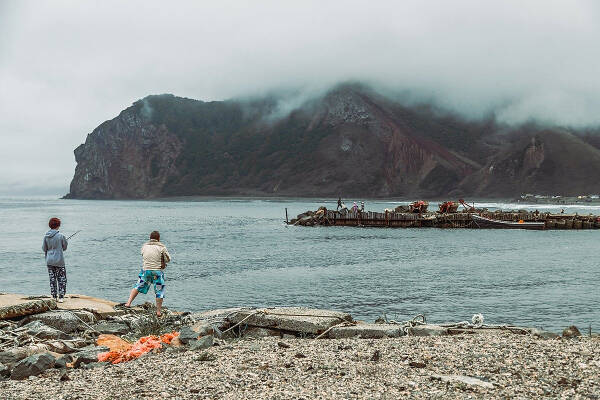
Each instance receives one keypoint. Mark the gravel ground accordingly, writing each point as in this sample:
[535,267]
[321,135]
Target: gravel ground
[409,367]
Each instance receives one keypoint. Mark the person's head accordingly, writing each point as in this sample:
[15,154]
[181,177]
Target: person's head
[155,235]
[54,223]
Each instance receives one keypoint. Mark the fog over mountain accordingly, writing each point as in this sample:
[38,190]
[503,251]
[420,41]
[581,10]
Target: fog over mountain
[66,66]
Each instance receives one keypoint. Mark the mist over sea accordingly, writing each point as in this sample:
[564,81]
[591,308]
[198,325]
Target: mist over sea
[238,252]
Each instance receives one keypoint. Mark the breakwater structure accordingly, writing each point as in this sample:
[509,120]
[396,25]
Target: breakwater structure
[448,216]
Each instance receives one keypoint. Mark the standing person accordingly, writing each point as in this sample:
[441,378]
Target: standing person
[339,203]
[354,207]
[362,206]
[155,258]
[53,247]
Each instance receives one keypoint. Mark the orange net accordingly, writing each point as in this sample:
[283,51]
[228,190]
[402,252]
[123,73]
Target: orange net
[121,351]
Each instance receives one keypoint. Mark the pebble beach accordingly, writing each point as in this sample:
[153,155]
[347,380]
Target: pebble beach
[499,365]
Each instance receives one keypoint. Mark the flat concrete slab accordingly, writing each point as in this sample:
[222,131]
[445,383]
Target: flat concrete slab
[16,305]
[366,331]
[293,319]
[102,307]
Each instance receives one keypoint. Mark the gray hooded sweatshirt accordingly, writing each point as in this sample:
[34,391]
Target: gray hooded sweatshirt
[53,246]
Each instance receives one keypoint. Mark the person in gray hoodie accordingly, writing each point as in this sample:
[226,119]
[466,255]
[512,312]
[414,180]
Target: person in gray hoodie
[54,245]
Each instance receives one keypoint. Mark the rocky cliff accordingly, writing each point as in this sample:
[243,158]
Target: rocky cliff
[351,142]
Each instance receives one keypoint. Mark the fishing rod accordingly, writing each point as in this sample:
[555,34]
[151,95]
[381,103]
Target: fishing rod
[73,234]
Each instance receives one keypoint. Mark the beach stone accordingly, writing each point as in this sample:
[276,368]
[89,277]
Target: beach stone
[187,334]
[95,365]
[469,380]
[64,321]
[112,328]
[202,343]
[4,371]
[427,330]
[541,334]
[366,331]
[8,358]
[61,362]
[203,328]
[42,331]
[88,355]
[293,319]
[32,366]
[571,332]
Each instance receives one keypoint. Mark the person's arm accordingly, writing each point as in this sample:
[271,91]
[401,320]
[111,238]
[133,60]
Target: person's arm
[167,255]
[64,242]
[45,246]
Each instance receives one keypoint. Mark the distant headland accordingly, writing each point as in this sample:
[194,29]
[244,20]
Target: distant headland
[351,141]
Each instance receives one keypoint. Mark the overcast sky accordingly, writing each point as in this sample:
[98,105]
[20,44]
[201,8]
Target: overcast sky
[67,66]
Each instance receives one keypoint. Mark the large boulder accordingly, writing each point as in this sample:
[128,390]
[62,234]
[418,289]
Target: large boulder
[187,334]
[202,343]
[88,355]
[9,357]
[32,365]
[366,331]
[63,320]
[42,331]
[293,319]
[112,328]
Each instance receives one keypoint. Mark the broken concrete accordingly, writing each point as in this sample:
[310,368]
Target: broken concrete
[295,319]
[366,331]
[427,330]
[541,334]
[14,306]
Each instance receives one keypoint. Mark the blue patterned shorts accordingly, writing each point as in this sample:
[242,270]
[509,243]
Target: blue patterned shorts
[147,278]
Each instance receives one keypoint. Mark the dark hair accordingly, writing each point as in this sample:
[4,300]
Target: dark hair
[155,235]
[54,223]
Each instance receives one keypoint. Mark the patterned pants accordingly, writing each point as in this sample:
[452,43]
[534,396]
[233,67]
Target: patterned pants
[57,275]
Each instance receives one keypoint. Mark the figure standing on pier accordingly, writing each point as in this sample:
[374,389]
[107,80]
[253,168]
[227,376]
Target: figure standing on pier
[339,205]
[362,206]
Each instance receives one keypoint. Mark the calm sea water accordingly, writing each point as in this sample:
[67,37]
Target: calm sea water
[229,252]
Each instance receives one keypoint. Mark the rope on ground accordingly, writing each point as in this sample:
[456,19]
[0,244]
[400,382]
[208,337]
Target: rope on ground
[341,324]
[243,320]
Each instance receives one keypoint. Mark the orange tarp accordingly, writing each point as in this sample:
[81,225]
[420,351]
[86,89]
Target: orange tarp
[121,351]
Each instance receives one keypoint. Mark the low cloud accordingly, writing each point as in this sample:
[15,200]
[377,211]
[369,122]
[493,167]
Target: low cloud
[66,66]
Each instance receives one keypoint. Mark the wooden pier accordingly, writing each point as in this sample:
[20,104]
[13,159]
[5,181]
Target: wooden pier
[522,220]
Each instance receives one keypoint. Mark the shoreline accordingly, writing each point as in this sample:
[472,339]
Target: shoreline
[294,352]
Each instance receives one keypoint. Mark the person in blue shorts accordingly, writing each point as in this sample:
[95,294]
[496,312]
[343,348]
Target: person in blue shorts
[155,258]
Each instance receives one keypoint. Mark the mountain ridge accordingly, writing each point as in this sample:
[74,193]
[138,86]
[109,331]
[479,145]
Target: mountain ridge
[351,141]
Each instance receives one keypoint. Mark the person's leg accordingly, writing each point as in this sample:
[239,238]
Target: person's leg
[61,277]
[159,290]
[134,292]
[141,286]
[158,306]
[52,276]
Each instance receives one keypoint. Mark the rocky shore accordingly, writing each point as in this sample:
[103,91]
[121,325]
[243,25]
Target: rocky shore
[281,353]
